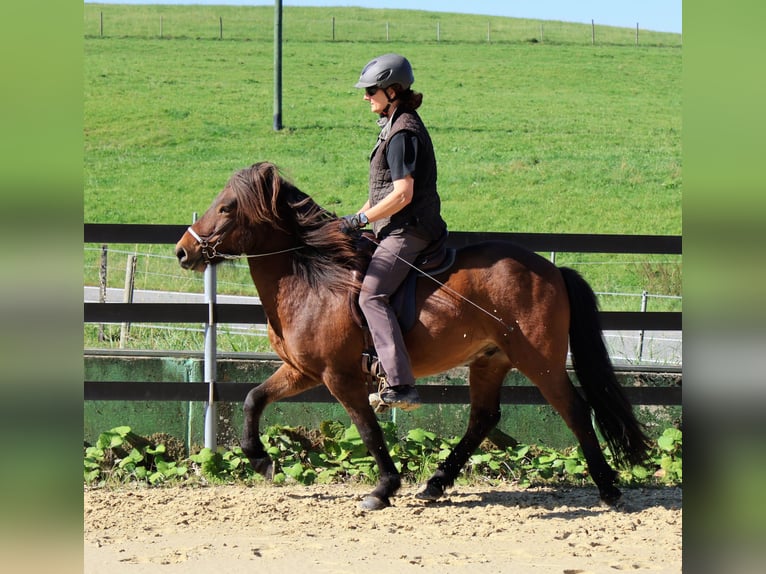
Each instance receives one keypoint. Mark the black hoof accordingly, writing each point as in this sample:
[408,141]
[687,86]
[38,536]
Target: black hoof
[430,492]
[372,502]
[610,496]
[264,467]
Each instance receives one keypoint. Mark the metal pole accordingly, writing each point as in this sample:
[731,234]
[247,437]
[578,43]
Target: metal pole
[210,358]
[277,65]
[190,409]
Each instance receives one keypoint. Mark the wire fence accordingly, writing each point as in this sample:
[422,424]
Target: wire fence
[152,277]
[256,23]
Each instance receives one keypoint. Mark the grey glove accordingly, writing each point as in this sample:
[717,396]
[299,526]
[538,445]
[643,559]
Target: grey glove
[349,223]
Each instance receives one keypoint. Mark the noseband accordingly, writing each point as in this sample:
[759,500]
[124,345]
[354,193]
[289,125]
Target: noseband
[209,251]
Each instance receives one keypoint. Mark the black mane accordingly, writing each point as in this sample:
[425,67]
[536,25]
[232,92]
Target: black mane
[328,256]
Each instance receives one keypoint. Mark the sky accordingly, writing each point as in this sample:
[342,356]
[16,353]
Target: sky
[656,15]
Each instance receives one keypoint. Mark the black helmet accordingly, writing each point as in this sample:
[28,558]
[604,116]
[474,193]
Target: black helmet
[385,71]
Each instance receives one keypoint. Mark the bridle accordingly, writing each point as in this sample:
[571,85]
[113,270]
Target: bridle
[209,251]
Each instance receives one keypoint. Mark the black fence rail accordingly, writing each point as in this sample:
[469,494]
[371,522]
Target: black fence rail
[444,394]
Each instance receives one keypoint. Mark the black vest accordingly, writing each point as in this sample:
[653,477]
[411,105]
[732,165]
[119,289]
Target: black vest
[422,216]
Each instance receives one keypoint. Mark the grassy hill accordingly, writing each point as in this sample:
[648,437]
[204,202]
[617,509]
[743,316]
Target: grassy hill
[536,133]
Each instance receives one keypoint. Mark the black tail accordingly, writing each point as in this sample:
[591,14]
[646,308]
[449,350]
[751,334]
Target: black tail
[613,413]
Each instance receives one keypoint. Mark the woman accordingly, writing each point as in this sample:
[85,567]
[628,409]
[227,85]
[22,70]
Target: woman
[404,210]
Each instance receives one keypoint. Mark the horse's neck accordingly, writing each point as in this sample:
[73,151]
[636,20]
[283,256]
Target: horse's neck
[269,277]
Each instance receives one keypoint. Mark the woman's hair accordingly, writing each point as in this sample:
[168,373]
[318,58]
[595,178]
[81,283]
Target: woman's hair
[408,98]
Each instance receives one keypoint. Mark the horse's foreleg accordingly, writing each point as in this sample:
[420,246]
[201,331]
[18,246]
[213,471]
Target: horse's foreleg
[355,401]
[485,380]
[390,480]
[285,382]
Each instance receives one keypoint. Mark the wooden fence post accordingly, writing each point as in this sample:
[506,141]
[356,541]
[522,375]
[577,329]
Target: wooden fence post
[102,287]
[127,297]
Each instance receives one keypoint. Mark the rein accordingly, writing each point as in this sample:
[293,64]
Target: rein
[442,285]
[209,251]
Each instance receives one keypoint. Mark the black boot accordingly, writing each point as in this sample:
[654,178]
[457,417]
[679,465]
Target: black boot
[403,397]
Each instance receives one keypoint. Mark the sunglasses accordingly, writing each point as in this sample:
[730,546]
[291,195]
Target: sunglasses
[371,91]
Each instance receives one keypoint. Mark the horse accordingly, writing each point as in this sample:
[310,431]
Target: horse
[498,307]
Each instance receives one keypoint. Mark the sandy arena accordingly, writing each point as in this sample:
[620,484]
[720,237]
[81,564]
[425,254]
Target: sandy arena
[319,529]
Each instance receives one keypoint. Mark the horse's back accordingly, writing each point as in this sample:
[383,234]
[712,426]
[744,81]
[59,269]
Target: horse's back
[494,287]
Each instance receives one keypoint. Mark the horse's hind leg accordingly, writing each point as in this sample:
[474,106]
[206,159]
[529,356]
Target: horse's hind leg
[285,382]
[486,376]
[559,391]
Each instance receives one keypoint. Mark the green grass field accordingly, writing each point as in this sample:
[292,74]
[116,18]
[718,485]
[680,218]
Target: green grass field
[558,136]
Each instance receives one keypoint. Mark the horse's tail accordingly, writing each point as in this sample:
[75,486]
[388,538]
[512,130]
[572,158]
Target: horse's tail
[612,410]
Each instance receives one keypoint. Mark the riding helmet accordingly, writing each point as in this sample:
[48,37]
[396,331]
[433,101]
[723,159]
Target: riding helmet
[385,71]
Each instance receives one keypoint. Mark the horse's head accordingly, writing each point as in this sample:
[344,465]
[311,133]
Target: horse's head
[257,212]
[232,223]
[260,214]
[212,236]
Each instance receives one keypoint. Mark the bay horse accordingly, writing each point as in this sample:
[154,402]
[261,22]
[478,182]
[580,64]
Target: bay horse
[498,307]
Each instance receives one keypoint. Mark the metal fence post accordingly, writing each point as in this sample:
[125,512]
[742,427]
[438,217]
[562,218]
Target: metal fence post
[210,358]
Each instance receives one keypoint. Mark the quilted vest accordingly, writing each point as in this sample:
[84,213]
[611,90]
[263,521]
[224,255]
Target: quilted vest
[422,216]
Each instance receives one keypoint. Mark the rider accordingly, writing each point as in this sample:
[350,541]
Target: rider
[403,208]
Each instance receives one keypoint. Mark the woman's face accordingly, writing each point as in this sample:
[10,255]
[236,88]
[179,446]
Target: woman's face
[377,98]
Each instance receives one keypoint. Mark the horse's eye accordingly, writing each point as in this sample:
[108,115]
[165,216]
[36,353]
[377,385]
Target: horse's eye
[228,208]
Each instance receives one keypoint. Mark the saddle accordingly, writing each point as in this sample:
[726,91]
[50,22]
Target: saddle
[435,259]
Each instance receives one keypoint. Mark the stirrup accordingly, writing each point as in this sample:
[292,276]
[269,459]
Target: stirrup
[377,403]
[371,366]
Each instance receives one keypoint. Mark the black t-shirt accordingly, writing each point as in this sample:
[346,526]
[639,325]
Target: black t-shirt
[402,155]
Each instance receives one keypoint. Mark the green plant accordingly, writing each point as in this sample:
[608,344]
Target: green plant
[122,455]
[222,465]
[335,452]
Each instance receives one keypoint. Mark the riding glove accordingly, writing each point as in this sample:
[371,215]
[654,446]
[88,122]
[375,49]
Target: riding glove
[349,223]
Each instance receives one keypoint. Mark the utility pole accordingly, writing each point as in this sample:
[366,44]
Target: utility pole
[277,65]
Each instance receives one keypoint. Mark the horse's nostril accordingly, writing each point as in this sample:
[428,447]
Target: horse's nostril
[181,254]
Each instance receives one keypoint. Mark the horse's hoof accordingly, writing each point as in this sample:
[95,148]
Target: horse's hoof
[371,502]
[431,492]
[264,467]
[610,496]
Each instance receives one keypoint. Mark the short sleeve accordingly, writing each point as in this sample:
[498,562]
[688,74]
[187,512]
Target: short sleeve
[402,155]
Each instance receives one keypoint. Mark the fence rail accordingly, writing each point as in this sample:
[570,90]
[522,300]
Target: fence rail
[443,394]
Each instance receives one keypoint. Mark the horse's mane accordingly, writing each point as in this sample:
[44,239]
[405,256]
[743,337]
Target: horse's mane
[327,255]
